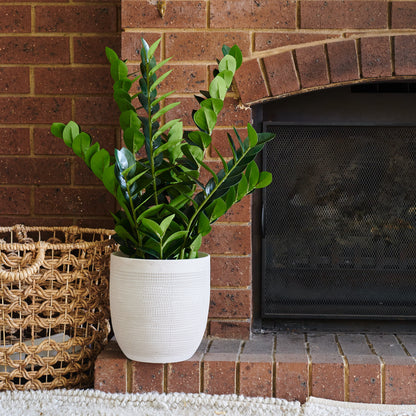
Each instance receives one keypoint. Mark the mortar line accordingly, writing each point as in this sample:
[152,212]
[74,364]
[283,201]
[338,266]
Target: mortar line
[346,370]
[382,369]
[309,355]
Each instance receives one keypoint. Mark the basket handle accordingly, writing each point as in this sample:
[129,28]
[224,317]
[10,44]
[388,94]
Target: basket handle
[30,270]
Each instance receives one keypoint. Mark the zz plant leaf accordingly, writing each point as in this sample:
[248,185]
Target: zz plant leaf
[167,206]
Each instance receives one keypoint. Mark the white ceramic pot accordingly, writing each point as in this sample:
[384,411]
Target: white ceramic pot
[159,308]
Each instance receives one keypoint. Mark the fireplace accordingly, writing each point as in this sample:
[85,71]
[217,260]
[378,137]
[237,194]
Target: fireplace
[337,230]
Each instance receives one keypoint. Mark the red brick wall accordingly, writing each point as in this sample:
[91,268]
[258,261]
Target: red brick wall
[289,47]
[47,52]
[53,68]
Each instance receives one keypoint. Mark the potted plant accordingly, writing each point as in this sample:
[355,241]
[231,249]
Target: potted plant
[159,281]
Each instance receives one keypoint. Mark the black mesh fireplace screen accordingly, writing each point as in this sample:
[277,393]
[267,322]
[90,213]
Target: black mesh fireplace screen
[339,237]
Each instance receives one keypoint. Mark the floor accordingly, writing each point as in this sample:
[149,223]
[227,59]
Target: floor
[356,367]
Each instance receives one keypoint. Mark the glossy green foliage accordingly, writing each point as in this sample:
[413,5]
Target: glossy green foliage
[165,208]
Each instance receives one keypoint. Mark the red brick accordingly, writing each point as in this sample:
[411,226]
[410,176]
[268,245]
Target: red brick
[343,61]
[179,14]
[220,367]
[185,376]
[281,73]
[230,329]
[110,372]
[256,367]
[102,111]
[400,369]
[230,271]
[311,63]
[230,303]
[73,201]
[15,201]
[228,239]
[405,55]
[184,79]
[147,377]
[270,40]
[29,170]
[403,15]
[15,19]
[267,14]
[292,377]
[35,221]
[342,14]
[34,50]
[14,141]
[376,57]
[327,368]
[364,369]
[83,175]
[14,80]
[87,19]
[132,44]
[34,110]
[240,212]
[92,49]
[207,46]
[221,143]
[73,80]
[250,82]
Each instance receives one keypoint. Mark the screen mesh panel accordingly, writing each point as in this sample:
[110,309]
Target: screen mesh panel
[339,222]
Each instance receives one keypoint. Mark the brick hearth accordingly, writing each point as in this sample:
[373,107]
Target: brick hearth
[372,368]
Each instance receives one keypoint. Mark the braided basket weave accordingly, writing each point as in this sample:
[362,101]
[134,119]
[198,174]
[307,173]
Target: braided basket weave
[54,309]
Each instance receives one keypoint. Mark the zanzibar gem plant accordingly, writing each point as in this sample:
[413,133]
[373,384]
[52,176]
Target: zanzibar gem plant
[165,208]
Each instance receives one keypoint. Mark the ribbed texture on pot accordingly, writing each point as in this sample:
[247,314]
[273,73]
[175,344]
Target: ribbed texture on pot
[159,308]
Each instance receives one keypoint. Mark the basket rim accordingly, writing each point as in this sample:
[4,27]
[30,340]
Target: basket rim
[56,246]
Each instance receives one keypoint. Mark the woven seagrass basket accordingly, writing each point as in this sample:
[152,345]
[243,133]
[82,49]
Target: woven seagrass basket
[54,308]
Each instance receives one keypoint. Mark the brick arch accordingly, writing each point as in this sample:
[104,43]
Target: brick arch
[328,64]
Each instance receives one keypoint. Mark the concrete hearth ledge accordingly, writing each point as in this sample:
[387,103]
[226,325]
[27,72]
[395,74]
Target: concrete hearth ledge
[367,368]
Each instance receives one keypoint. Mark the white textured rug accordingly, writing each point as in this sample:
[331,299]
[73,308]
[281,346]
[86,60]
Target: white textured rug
[96,403]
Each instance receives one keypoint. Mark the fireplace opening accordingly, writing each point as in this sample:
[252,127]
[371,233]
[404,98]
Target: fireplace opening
[335,236]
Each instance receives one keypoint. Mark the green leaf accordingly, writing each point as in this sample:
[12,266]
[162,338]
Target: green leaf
[216,209]
[165,127]
[90,152]
[196,244]
[81,144]
[178,236]
[265,180]
[236,53]
[252,174]
[164,110]
[124,234]
[128,119]
[214,104]
[158,66]
[99,161]
[204,226]
[70,131]
[111,55]
[242,188]
[252,135]
[165,224]
[228,63]
[118,70]
[154,227]
[134,139]
[57,129]
[123,84]
[124,159]
[153,48]
[109,179]
[159,80]
[227,76]
[218,88]
[205,119]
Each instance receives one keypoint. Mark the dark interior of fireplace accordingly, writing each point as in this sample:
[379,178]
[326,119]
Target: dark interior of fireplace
[335,233]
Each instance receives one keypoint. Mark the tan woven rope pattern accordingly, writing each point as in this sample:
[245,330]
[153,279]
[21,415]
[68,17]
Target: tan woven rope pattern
[54,311]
